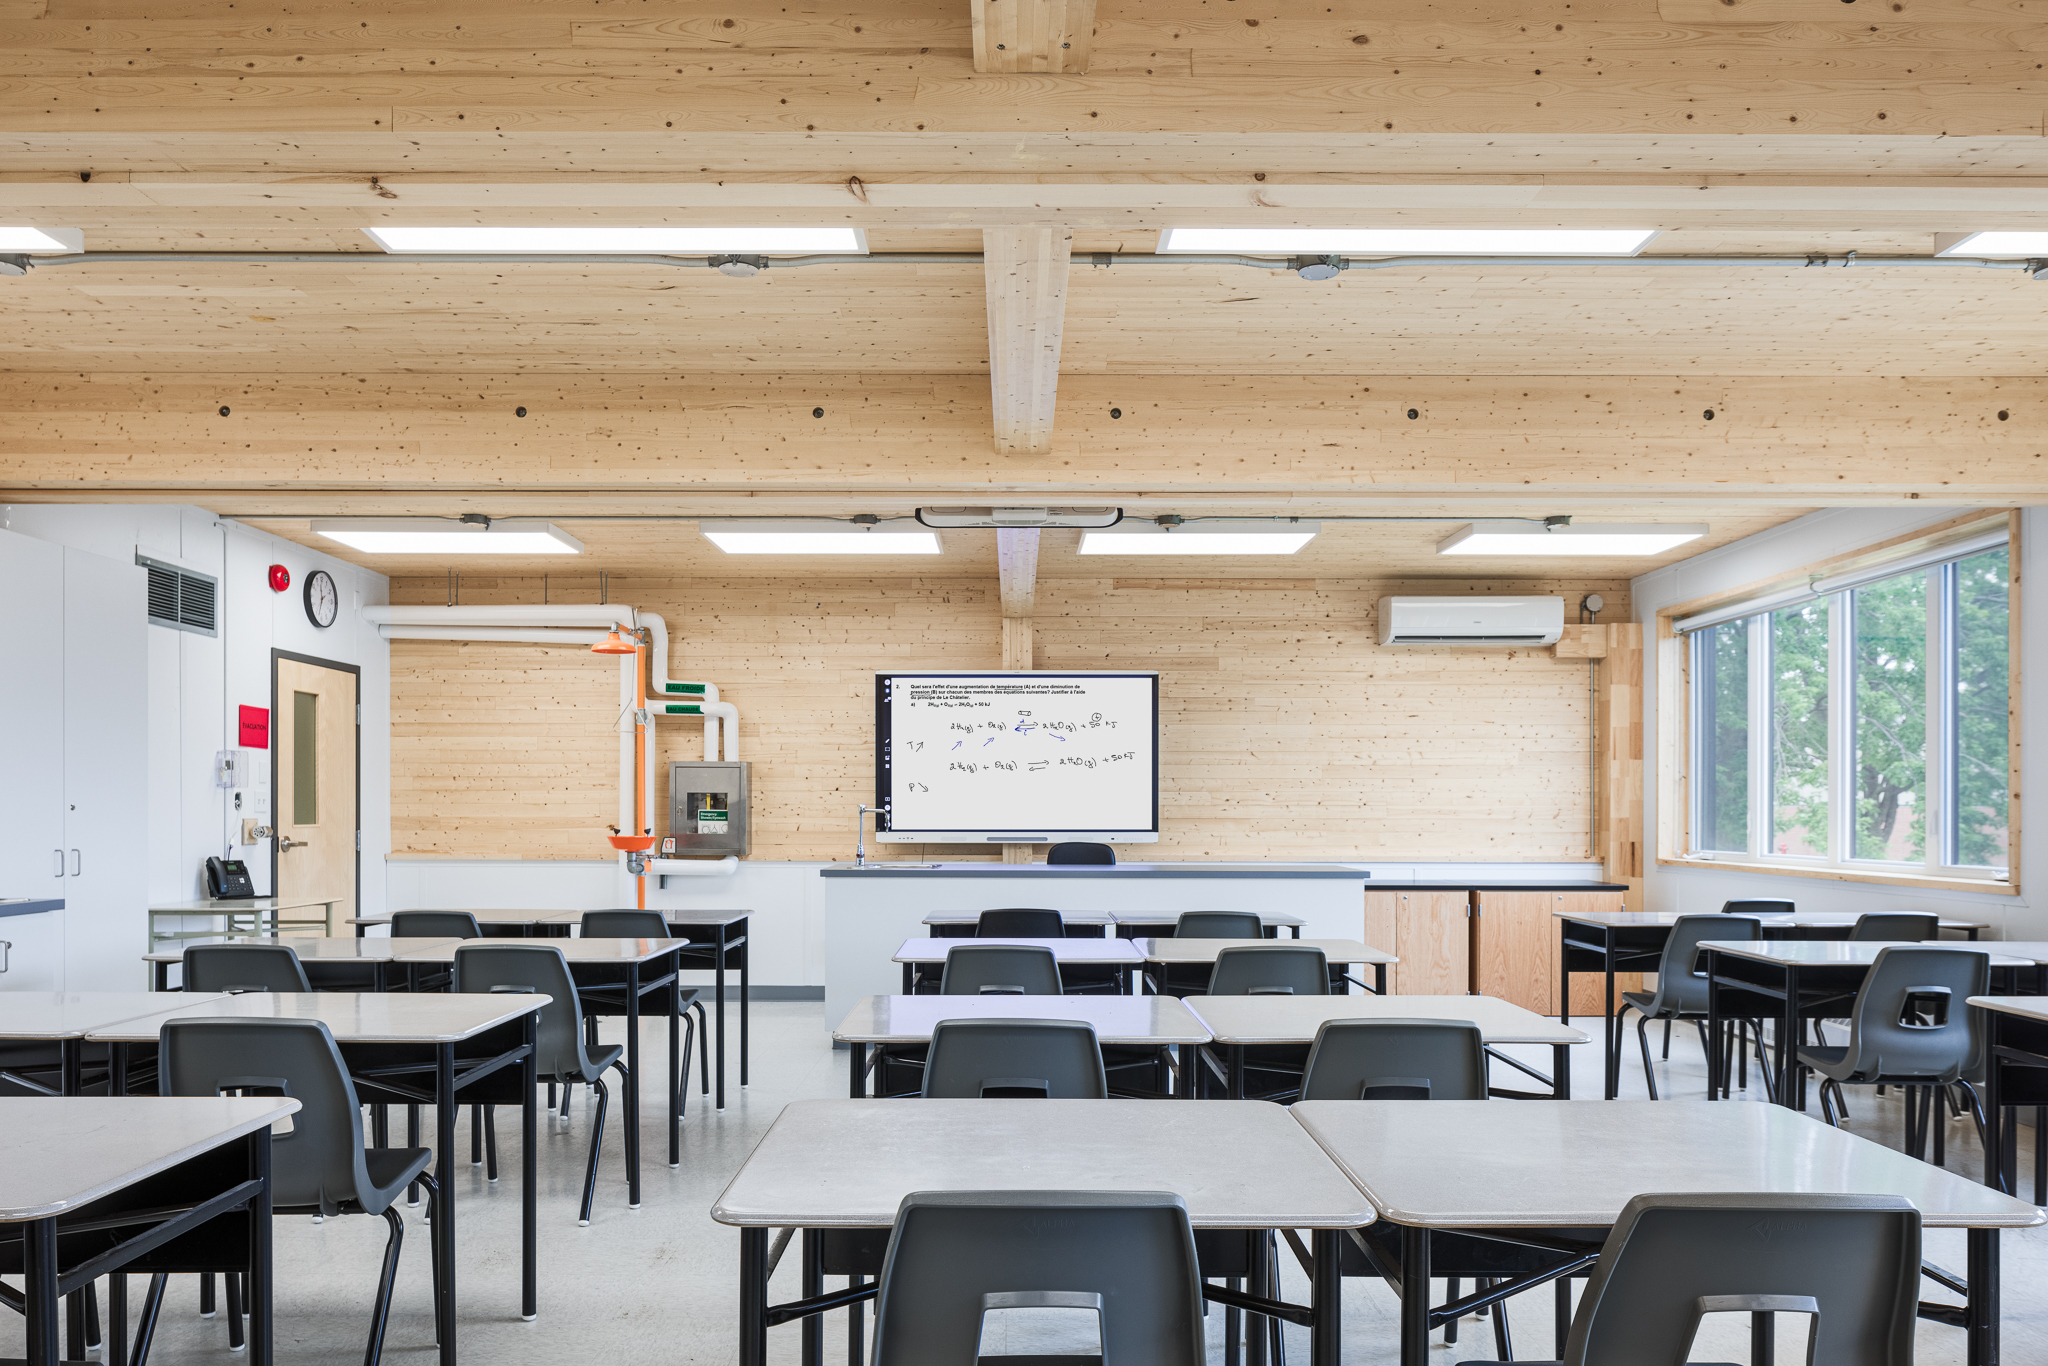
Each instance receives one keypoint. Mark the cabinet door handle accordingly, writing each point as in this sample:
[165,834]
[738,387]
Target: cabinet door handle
[76,863]
[6,947]
[60,861]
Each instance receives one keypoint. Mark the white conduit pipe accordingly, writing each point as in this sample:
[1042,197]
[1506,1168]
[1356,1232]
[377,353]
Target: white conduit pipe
[677,694]
[504,634]
[588,616]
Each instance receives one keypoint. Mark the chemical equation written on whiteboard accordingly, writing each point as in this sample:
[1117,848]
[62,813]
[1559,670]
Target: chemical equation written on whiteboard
[1068,760]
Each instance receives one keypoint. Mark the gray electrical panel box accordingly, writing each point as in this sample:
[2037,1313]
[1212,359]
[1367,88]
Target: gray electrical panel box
[707,810]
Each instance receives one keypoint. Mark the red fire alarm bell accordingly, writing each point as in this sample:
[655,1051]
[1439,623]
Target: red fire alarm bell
[280,578]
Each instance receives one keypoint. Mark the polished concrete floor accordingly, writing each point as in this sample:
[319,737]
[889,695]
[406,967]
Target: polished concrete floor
[659,1285]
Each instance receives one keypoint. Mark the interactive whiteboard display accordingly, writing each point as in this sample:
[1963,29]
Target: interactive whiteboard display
[1017,757]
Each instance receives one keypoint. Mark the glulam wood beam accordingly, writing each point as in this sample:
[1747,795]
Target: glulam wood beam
[1033,35]
[1025,270]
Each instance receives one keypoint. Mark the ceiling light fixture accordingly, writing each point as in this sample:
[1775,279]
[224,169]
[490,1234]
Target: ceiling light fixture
[472,534]
[2014,244]
[41,241]
[798,536]
[1171,536]
[973,518]
[1579,539]
[594,240]
[1411,241]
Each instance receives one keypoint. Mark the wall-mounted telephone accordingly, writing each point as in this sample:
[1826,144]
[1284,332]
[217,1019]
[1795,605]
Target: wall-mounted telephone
[228,879]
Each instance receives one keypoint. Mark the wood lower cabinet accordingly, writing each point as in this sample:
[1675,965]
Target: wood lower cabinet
[1432,934]
[1515,946]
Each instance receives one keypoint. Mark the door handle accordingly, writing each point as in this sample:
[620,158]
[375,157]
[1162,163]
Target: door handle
[285,842]
[77,864]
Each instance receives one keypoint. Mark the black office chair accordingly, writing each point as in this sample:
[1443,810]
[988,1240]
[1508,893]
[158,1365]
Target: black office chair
[1681,992]
[1270,970]
[999,970]
[953,1256]
[1852,1262]
[1910,1027]
[435,925]
[1219,925]
[982,1059]
[320,1164]
[1020,922]
[243,967]
[1080,851]
[1899,927]
[1765,906]
[559,1050]
[1390,1059]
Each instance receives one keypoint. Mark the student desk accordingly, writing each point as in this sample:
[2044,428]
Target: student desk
[63,1019]
[76,1164]
[513,924]
[1610,942]
[1474,1166]
[1080,924]
[847,1164]
[916,954]
[639,966]
[255,910]
[1775,979]
[368,960]
[389,1042]
[1197,952]
[717,940]
[2015,1074]
[1143,924]
[1136,1021]
[1241,1022]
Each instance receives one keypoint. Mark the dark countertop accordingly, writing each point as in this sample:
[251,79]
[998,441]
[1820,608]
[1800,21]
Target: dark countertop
[1271,871]
[34,905]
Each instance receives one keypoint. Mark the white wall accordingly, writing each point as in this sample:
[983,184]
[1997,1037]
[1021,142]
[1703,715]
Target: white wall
[194,684]
[1782,550]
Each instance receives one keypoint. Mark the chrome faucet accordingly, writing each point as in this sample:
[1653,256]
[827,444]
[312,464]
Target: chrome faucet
[860,835]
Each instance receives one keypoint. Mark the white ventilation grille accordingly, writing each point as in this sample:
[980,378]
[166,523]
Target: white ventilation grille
[181,599]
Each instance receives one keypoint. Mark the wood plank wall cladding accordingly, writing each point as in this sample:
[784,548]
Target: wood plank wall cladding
[1287,732]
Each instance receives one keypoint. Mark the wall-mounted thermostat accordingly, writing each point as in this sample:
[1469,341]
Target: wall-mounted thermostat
[707,809]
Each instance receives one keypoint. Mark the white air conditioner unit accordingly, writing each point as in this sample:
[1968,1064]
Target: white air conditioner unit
[1471,621]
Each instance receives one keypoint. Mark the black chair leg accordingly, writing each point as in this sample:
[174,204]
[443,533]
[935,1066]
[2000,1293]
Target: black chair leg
[1503,1345]
[704,1053]
[1667,1039]
[490,1141]
[232,1282]
[1563,1293]
[1643,1037]
[1937,1106]
[206,1309]
[568,1088]
[1827,1104]
[476,1135]
[380,1314]
[596,1139]
[145,1329]
[1450,1325]
[92,1314]
[433,1251]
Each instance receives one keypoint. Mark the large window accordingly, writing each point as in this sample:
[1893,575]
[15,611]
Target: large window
[1863,728]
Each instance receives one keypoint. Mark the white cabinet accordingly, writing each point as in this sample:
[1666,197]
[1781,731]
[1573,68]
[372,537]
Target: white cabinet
[72,750]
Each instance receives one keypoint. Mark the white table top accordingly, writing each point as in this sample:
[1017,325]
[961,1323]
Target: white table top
[1626,918]
[1205,950]
[2028,1007]
[68,1151]
[1561,1164]
[74,1014]
[1843,952]
[216,906]
[310,947]
[1117,1019]
[2033,950]
[1295,1019]
[849,1163]
[928,950]
[1269,918]
[353,1017]
[621,951]
[971,917]
[492,917]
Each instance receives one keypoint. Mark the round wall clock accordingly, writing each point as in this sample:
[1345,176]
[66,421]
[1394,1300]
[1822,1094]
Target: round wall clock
[322,601]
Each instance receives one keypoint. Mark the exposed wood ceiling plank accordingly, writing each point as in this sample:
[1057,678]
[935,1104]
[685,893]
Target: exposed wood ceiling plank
[1033,35]
[1025,272]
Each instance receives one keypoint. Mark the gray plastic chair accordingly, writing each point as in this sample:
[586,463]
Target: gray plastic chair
[1081,851]
[1910,1027]
[979,1059]
[1382,1059]
[435,925]
[1270,970]
[243,967]
[320,1166]
[1757,906]
[999,970]
[1219,925]
[1901,927]
[1020,922]
[560,1053]
[955,1255]
[1681,987]
[1853,1261]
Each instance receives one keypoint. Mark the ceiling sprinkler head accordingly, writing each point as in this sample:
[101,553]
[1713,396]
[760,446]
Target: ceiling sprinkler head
[1317,267]
[739,267]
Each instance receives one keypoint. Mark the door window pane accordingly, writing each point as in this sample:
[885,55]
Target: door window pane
[1799,730]
[1721,682]
[305,758]
[1979,607]
[1889,654]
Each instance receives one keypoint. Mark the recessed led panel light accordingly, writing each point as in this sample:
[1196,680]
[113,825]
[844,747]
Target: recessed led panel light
[799,537]
[600,240]
[1995,244]
[14,237]
[1411,241]
[1200,538]
[444,536]
[1592,538]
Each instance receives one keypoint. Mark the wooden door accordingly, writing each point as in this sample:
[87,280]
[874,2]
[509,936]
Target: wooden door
[1514,948]
[1431,933]
[314,792]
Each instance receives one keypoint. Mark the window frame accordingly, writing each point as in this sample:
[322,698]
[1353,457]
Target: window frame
[1682,724]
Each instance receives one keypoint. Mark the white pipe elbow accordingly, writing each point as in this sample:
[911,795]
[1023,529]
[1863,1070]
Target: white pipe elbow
[690,867]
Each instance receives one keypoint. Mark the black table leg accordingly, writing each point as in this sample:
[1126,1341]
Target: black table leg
[675,1066]
[1255,1329]
[1998,1173]
[718,977]
[444,1199]
[746,975]
[632,1088]
[1379,978]
[1564,972]
[1184,1082]
[813,1284]
[1561,1071]
[1414,1297]
[256,1285]
[529,1174]
[1982,1304]
[856,1070]
[1236,1065]
[753,1297]
[1613,1034]
[39,1287]
[1713,1025]
[1326,1297]
[1788,1041]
